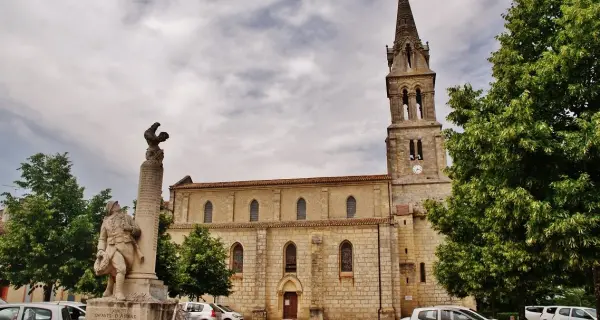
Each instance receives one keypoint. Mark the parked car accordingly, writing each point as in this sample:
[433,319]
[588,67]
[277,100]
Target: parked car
[200,311]
[533,312]
[540,312]
[33,311]
[449,312]
[2,301]
[575,313]
[229,314]
[559,313]
[76,309]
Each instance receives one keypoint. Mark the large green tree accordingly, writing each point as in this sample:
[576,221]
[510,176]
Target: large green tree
[203,264]
[49,237]
[526,184]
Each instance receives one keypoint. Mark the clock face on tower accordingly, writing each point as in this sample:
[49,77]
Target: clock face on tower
[417,169]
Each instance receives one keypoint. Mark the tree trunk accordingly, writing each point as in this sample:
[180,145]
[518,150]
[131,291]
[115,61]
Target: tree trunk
[596,272]
[47,292]
[521,309]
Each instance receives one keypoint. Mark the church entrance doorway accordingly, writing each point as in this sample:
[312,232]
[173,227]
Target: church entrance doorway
[290,305]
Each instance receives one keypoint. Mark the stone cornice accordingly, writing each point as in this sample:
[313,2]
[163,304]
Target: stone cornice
[284,224]
[281,182]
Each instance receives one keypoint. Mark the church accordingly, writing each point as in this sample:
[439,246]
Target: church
[346,247]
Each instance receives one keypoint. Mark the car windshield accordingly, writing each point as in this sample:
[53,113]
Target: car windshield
[592,312]
[82,308]
[225,308]
[473,314]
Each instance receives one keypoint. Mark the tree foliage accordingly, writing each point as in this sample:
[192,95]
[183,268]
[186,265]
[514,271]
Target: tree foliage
[167,259]
[49,237]
[203,265]
[525,201]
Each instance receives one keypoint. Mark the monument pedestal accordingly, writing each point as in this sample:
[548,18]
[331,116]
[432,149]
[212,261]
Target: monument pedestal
[145,288]
[112,309]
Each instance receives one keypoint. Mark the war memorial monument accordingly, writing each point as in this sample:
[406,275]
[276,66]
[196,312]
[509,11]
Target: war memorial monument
[127,249]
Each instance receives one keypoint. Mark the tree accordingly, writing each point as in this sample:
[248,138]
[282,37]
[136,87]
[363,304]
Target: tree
[49,237]
[203,265]
[525,175]
[167,268]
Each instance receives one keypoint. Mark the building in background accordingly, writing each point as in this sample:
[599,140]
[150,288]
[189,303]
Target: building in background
[12,295]
[342,247]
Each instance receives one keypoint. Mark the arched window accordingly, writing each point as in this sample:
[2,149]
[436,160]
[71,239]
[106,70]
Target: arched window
[254,210]
[408,56]
[405,108]
[237,260]
[346,259]
[290,258]
[419,104]
[301,209]
[350,207]
[419,150]
[411,148]
[208,209]
[423,276]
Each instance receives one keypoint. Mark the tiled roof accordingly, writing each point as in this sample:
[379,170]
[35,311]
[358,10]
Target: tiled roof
[279,182]
[286,224]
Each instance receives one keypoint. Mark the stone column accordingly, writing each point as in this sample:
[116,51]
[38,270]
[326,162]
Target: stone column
[316,277]
[429,103]
[260,310]
[412,106]
[230,206]
[276,204]
[185,203]
[377,201]
[396,108]
[146,215]
[324,204]
[385,254]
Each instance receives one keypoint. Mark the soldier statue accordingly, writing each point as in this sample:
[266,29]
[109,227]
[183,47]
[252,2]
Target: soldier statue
[117,247]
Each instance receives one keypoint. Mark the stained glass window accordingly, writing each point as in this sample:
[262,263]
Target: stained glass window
[238,258]
[350,207]
[301,209]
[208,209]
[346,257]
[254,210]
[290,258]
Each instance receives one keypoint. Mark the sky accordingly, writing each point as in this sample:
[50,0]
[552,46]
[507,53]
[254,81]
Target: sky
[260,89]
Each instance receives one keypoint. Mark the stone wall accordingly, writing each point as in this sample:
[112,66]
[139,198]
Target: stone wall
[417,242]
[278,203]
[318,280]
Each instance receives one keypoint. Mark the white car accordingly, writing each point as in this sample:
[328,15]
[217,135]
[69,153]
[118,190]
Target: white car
[559,313]
[229,314]
[540,312]
[2,301]
[201,311]
[76,309]
[33,311]
[450,312]
[575,313]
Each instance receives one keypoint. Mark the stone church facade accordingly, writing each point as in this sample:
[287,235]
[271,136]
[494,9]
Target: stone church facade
[351,247]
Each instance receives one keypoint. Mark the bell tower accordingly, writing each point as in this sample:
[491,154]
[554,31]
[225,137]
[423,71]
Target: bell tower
[415,152]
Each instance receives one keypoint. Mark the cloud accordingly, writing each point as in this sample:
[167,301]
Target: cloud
[247,90]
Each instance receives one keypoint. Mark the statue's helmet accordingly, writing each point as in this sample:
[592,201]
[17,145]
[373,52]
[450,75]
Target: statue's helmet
[110,206]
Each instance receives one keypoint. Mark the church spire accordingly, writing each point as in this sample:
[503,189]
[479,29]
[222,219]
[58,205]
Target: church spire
[405,22]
